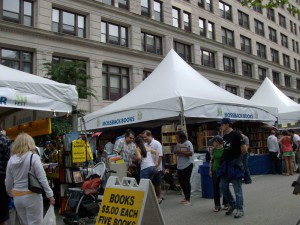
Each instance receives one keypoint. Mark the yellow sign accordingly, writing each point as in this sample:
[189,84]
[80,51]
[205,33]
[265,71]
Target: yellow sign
[78,151]
[35,128]
[120,206]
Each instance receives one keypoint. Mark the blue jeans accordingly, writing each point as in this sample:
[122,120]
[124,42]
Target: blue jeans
[238,202]
[147,173]
[247,177]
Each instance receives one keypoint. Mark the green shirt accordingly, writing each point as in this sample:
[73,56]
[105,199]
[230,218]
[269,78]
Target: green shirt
[216,154]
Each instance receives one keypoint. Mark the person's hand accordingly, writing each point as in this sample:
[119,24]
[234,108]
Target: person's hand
[52,200]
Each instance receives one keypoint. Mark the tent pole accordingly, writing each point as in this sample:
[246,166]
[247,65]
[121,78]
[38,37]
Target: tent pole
[82,123]
[182,117]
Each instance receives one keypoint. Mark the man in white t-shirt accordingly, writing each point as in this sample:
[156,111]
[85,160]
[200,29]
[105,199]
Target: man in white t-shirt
[156,145]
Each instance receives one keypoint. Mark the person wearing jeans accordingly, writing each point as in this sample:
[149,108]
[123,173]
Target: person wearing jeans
[231,167]
[184,151]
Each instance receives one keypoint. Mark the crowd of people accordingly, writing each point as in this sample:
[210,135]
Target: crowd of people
[142,155]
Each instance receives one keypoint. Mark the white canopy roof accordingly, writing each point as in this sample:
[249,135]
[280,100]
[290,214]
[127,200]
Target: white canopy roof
[174,85]
[269,94]
[24,91]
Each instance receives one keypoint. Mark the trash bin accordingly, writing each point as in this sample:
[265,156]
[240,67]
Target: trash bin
[206,181]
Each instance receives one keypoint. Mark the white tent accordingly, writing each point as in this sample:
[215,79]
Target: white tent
[269,94]
[24,92]
[172,88]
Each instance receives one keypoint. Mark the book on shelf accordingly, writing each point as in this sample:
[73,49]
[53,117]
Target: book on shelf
[68,175]
[68,138]
[77,177]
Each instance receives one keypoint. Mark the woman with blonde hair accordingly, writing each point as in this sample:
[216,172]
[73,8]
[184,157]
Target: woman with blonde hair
[29,205]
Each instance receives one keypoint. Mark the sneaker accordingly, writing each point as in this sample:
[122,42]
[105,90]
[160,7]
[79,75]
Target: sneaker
[230,210]
[183,201]
[187,203]
[239,213]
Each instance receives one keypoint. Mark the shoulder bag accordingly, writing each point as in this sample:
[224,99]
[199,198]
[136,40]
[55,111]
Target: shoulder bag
[33,183]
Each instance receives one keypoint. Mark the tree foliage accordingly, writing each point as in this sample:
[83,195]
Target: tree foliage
[271,4]
[70,72]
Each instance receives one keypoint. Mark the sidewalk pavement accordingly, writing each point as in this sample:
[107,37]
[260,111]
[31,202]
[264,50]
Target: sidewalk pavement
[267,201]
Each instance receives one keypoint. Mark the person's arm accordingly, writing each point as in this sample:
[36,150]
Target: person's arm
[244,149]
[157,157]
[117,147]
[138,154]
[210,166]
[9,180]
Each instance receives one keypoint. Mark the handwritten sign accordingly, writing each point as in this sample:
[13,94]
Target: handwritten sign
[120,206]
[79,151]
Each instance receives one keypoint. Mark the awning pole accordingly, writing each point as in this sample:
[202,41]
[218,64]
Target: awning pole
[182,117]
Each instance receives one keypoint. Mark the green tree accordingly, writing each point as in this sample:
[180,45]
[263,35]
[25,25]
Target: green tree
[271,4]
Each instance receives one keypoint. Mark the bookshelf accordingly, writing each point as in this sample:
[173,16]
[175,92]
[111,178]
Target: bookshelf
[203,136]
[168,140]
[257,140]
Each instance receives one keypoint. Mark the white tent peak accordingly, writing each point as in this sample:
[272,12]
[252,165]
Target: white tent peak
[159,97]
[270,95]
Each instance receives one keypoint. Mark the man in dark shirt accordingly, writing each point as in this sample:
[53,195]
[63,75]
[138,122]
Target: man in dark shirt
[4,157]
[234,147]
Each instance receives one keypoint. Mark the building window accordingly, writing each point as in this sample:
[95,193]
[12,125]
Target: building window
[58,59]
[286,60]
[295,64]
[145,8]
[158,11]
[243,19]
[225,10]
[231,89]
[202,27]
[257,8]
[299,65]
[176,17]
[187,21]
[261,50]
[151,43]
[209,5]
[274,55]
[297,47]
[246,44]
[228,64]
[247,69]
[287,81]
[227,37]
[16,59]
[282,21]
[68,23]
[183,50]
[108,2]
[298,84]
[248,93]
[124,4]
[201,3]
[275,78]
[272,34]
[262,73]
[113,34]
[146,74]
[259,28]
[284,41]
[18,11]
[115,82]
[293,27]
[271,14]
[208,58]
[210,30]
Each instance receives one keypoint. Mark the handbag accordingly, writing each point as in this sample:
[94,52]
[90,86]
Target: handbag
[33,183]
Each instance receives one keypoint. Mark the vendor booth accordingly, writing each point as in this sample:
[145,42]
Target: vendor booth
[268,94]
[26,97]
[175,89]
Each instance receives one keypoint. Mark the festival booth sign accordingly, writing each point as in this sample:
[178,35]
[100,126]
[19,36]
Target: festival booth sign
[269,94]
[174,88]
[26,97]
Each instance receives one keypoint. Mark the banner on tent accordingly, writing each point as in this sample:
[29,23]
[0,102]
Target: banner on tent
[35,128]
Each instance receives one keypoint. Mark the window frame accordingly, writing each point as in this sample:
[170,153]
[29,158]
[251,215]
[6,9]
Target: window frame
[243,40]
[287,80]
[276,80]
[225,39]
[223,13]
[202,30]
[124,6]
[286,60]
[120,75]
[243,19]
[187,55]
[259,27]
[147,11]
[263,74]
[156,12]
[231,89]
[274,55]
[248,93]
[231,67]
[247,69]
[261,50]
[211,62]
[187,24]
[156,39]
[178,19]
[282,20]
[271,14]
[272,37]
[107,35]
[284,40]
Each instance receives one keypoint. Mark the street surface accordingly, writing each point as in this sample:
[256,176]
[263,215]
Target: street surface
[267,201]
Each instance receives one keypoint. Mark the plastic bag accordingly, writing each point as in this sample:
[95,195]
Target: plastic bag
[50,218]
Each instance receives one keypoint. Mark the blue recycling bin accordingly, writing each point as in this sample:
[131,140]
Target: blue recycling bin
[206,181]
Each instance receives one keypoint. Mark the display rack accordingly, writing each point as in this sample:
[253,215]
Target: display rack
[257,140]
[203,136]
[168,140]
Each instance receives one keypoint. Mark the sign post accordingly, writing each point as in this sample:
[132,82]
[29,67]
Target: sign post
[129,203]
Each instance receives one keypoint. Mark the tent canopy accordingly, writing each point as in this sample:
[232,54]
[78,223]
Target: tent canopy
[20,91]
[269,94]
[174,87]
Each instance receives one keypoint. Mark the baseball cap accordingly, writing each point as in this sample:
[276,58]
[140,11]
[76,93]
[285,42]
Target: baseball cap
[225,121]
[47,142]
[216,138]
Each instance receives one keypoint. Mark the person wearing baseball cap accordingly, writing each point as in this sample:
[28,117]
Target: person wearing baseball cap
[231,167]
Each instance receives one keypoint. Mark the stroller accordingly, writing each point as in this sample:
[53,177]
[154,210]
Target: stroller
[85,202]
